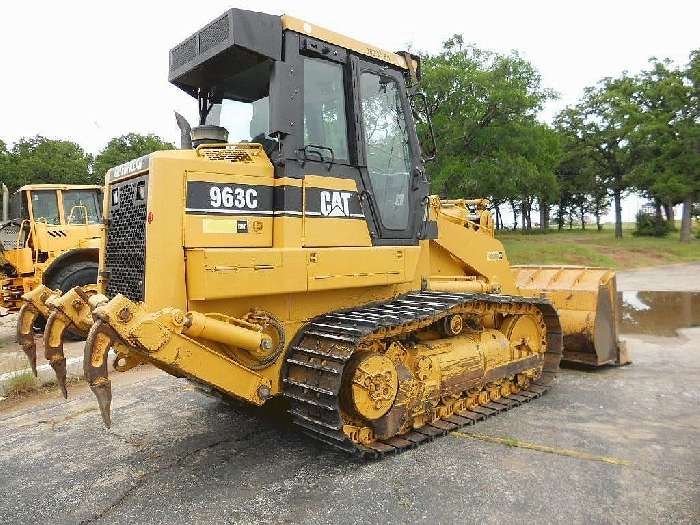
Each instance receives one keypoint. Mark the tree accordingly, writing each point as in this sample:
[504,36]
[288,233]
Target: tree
[667,137]
[38,160]
[125,148]
[690,138]
[600,125]
[582,187]
[4,162]
[483,107]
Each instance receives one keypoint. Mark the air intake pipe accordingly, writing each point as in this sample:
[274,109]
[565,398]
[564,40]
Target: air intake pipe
[208,134]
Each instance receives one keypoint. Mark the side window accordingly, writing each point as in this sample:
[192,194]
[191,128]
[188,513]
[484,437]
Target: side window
[325,122]
[387,146]
[81,207]
[45,206]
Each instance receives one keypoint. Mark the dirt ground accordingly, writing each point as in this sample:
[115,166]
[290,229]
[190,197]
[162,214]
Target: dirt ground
[616,445]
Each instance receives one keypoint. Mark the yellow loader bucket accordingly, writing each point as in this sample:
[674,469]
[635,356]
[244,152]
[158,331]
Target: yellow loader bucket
[586,299]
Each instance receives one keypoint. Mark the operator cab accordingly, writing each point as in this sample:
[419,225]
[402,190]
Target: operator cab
[320,104]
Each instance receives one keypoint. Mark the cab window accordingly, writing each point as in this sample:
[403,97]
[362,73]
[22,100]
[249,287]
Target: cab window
[325,124]
[387,146]
[81,207]
[45,207]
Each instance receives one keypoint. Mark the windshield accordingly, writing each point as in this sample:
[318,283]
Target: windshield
[244,121]
[81,206]
[45,206]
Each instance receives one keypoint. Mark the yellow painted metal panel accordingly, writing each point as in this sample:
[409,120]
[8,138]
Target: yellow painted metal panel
[305,28]
[229,230]
[165,263]
[21,259]
[353,267]
[226,273]
[204,230]
[480,254]
[333,231]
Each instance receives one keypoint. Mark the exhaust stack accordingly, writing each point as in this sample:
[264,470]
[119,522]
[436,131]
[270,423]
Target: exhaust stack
[5,203]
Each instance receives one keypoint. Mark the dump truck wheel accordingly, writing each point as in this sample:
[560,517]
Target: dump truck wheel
[72,275]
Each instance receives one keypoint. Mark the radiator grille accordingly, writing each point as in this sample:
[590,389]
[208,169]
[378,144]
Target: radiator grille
[183,53]
[125,256]
[214,34]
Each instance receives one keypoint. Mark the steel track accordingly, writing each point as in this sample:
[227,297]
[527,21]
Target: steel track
[322,348]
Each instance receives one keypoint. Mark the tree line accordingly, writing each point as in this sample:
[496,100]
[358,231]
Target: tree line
[629,133]
[40,160]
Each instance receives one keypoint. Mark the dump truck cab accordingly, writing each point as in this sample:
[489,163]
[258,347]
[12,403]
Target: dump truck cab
[48,226]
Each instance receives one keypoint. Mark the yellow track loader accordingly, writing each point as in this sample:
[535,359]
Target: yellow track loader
[305,257]
[49,241]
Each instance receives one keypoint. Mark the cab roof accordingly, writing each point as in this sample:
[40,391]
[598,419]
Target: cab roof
[305,28]
[63,187]
[235,52]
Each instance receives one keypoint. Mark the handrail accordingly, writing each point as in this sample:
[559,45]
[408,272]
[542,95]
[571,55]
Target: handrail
[19,233]
[466,218]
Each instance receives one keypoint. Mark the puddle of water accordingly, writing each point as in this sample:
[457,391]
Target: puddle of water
[658,313]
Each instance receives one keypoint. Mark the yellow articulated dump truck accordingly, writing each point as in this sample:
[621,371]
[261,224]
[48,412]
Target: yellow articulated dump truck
[295,251]
[50,238]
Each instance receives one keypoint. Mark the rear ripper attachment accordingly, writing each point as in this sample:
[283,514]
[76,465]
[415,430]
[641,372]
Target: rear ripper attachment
[166,340]
[380,379]
[64,312]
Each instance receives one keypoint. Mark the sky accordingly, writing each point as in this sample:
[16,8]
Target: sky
[92,70]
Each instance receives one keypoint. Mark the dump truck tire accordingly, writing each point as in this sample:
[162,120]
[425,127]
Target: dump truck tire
[75,274]
[72,275]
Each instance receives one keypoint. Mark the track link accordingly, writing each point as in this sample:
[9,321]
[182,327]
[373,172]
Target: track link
[323,347]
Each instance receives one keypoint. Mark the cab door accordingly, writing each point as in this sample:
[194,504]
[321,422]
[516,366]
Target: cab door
[389,153]
[333,213]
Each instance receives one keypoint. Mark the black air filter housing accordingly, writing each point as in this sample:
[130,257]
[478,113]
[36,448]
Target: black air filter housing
[232,55]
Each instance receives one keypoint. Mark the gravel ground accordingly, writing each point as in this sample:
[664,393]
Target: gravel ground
[616,445]
[175,455]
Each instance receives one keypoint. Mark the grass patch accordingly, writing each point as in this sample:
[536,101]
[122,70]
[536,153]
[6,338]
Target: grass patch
[20,384]
[594,248]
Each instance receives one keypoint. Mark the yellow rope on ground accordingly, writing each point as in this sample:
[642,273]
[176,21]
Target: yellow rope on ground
[512,442]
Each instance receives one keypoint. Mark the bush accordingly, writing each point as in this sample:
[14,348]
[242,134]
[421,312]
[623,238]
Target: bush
[648,226]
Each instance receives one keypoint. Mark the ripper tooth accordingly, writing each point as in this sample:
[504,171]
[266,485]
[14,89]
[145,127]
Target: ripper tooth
[34,306]
[53,347]
[97,345]
[25,335]
[69,312]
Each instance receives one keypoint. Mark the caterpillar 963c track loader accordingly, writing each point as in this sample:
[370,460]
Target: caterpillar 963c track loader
[310,262]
